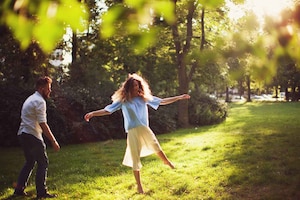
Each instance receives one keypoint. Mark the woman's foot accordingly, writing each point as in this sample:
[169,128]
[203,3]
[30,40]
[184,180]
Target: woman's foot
[164,158]
[170,164]
[140,190]
[138,181]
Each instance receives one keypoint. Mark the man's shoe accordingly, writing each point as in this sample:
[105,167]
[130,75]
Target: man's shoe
[47,195]
[20,193]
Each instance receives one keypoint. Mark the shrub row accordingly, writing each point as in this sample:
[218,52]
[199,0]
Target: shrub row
[66,108]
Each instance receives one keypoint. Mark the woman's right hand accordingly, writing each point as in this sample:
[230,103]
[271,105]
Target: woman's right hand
[88,116]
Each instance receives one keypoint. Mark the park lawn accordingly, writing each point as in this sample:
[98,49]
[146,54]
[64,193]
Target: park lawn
[254,154]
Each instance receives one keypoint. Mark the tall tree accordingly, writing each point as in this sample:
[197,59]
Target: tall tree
[187,14]
[181,53]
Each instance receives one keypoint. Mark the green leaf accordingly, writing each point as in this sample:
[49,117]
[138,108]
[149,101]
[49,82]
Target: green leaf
[166,9]
[48,33]
[145,40]
[211,3]
[73,13]
[21,27]
[134,3]
[49,21]
[108,21]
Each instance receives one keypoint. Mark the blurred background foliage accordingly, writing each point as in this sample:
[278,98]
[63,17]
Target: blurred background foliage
[190,46]
[42,21]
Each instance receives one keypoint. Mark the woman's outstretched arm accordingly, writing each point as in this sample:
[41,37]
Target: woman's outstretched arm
[96,113]
[169,100]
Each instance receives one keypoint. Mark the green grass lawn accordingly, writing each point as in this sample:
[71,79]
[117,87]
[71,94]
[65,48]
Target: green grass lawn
[254,154]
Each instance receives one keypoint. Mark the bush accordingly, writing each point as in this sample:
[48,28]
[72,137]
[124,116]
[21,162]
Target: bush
[73,102]
[11,100]
[163,120]
[204,110]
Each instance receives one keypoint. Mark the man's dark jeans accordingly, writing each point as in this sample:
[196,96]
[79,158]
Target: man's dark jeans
[35,152]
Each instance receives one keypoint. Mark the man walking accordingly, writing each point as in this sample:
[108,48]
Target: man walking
[33,125]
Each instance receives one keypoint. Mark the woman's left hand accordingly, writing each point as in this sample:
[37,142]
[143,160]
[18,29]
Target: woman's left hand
[185,96]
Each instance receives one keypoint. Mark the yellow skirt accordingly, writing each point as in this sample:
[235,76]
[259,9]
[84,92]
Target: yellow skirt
[141,142]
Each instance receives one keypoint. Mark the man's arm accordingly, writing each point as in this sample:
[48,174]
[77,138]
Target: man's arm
[48,133]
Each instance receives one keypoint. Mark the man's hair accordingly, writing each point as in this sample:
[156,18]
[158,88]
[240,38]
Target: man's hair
[43,81]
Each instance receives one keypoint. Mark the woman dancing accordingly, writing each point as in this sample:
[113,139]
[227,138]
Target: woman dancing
[133,97]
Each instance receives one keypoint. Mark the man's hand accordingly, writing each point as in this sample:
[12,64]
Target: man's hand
[55,145]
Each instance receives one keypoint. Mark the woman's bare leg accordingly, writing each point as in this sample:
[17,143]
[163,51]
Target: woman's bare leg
[164,158]
[137,177]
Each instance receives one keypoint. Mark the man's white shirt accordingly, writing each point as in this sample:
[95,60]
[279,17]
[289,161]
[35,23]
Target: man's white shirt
[33,113]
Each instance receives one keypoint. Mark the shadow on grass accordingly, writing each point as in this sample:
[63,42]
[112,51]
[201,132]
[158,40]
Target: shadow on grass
[72,166]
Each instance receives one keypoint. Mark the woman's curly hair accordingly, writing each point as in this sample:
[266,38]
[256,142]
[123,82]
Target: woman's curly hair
[124,93]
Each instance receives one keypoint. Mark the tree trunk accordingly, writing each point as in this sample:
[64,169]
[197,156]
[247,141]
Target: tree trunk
[202,29]
[227,94]
[183,113]
[248,88]
[181,52]
[276,92]
[74,47]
